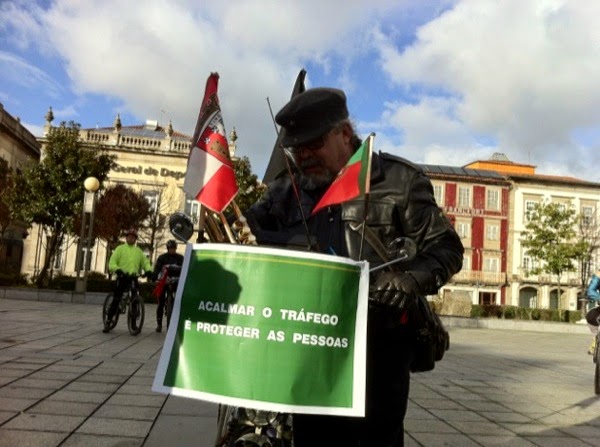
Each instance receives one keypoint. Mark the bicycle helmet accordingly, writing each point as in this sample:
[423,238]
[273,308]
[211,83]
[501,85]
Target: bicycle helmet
[171,244]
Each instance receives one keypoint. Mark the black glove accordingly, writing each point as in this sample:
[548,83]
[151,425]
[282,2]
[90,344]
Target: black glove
[149,275]
[394,288]
[119,272]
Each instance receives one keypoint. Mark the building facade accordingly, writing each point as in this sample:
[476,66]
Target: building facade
[486,200]
[150,159]
[18,147]
[528,188]
[488,203]
[477,203]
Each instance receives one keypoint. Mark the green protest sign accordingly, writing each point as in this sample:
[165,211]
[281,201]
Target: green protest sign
[268,328]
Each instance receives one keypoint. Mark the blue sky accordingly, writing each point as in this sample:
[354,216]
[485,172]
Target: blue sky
[441,82]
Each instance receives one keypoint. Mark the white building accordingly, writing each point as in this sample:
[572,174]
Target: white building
[149,158]
[18,147]
[527,189]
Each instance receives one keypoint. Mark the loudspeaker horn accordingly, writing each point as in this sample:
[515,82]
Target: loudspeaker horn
[181,226]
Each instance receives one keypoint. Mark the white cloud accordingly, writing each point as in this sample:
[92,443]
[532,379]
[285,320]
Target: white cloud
[158,56]
[523,72]
[455,80]
[20,24]
[17,70]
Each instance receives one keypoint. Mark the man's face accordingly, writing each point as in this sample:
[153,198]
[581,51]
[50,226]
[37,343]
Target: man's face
[320,160]
[130,239]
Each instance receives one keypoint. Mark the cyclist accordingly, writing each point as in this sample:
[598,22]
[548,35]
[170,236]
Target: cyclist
[593,294]
[171,257]
[127,259]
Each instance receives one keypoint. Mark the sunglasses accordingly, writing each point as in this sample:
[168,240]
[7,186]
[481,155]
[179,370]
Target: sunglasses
[311,145]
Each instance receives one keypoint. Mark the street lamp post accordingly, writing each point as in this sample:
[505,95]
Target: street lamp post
[91,185]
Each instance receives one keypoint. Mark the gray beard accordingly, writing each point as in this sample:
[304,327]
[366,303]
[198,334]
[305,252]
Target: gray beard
[313,183]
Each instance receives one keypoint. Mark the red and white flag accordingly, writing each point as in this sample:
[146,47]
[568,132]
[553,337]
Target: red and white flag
[210,178]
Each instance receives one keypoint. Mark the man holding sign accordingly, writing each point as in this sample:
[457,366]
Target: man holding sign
[322,206]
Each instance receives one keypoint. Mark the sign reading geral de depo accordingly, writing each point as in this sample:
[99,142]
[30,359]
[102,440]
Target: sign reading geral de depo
[268,329]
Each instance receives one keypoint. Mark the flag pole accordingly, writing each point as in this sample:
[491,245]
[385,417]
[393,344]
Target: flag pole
[367,184]
[278,157]
[298,88]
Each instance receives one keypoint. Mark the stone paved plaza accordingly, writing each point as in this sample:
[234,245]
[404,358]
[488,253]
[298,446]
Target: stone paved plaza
[65,383]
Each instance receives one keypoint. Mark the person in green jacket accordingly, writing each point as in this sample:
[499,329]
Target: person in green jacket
[127,260]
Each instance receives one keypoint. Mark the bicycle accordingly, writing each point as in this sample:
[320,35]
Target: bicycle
[238,426]
[169,279]
[131,304]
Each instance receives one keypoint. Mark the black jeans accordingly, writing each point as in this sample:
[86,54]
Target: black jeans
[122,283]
[160,306]
[389,354]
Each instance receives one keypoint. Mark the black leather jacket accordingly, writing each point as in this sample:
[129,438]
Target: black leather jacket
[401,203]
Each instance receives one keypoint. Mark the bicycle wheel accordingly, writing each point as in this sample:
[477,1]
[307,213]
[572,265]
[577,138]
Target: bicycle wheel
[597,367]
[169,298]
[107,303]
[135,314]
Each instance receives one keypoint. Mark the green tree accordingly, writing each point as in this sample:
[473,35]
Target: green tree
[250,189]
[118,209]
[5,186]
[50,193]
[550,239]
[588,233]
[6,216]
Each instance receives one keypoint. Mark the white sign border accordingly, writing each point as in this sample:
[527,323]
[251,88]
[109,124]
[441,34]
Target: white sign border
[360,340]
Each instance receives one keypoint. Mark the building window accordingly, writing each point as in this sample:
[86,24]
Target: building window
[466,265]
[492,232]
[493,199]
[562,207]
[463,229]
[58,258]
[464,196]
[587,215]
[529,263]
[487,298]
[152,198]
[529,207]
[438,194]
[82,254]
[57,262]
[490,265]
[192,209]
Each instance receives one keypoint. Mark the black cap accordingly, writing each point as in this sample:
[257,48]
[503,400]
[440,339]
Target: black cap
[131,231]
[311,114]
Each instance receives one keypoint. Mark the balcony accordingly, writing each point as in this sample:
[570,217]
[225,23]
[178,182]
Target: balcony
[481,278]
[570,279]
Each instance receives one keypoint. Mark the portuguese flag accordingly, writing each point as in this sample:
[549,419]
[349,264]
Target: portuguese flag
[352,181]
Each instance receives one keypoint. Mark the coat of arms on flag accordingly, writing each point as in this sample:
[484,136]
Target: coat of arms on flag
[210,178]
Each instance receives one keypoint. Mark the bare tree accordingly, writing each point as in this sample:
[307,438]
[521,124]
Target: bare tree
[163,199]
